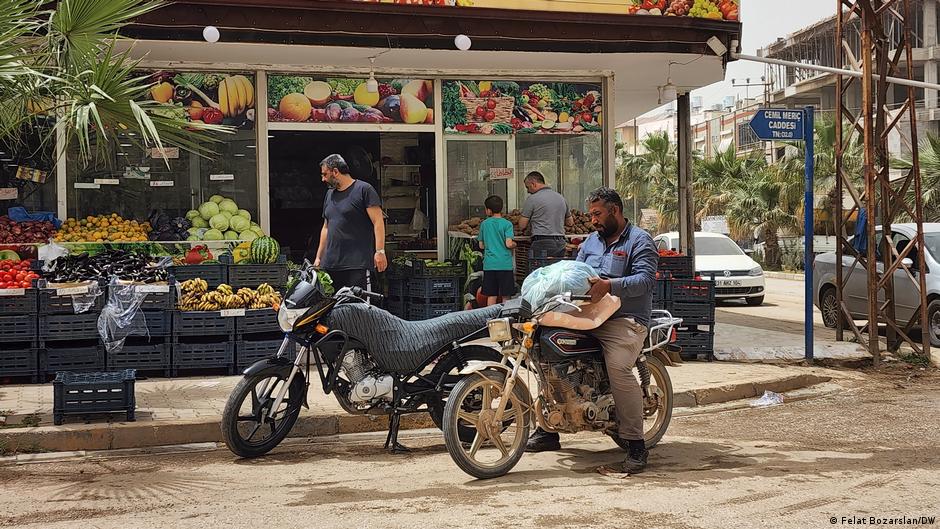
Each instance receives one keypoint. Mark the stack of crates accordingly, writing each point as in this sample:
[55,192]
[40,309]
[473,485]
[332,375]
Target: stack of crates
[692,300]
[257,336]
[69,340]
[203,341]
[19,353]
[148,348]
[423,292]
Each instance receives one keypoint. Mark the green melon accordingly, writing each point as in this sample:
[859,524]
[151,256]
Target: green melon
[264,250]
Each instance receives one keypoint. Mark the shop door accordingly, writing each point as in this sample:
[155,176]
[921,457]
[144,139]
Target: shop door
[469,161]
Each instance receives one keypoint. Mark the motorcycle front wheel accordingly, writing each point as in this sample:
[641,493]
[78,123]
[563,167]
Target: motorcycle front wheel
[496,447]
[247,428]
[657,410]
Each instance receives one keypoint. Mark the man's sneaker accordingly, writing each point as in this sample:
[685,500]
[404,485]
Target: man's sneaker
[542,441]
[636,459]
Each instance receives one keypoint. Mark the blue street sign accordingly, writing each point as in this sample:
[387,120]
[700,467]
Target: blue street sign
[778,124]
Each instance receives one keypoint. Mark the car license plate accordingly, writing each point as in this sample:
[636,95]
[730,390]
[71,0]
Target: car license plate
[730,283]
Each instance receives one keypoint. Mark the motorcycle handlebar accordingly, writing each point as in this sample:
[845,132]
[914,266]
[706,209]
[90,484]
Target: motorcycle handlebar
[359,292]
[581,298]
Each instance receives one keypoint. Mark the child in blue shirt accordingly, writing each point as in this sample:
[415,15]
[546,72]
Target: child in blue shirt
[495,238]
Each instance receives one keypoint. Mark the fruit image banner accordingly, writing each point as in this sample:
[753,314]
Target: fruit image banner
[504,107]
[215,99]
[340,100]
[723,9]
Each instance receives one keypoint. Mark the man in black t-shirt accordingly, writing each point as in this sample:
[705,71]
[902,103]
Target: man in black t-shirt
[352,241]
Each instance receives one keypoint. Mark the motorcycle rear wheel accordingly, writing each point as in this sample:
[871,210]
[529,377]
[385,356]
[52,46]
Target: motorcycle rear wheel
[241,427]
[656,415]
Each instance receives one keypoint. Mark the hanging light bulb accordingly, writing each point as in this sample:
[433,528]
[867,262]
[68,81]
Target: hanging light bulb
[372,86]
[211,34]
[462,42]
[669,92]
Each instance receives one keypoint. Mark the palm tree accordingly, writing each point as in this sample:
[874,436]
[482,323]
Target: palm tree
[61,62]
[757,204]
[656,172]
[929,156]
[715,177]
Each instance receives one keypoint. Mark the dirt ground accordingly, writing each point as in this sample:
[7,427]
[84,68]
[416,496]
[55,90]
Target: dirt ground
[868,451]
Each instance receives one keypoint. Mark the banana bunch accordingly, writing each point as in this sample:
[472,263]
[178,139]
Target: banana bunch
[225,289]
[195,286]
[264,301]
[236,95]
[265,289]
[197,297]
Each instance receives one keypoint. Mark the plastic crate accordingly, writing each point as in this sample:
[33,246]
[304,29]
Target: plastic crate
[661,292]
[214,274]
[695,343]
[79,394]
[397,271]
[397,306]
[20,362]
[247,352]
[397,288]
[196,323]
[203,354]
[142,357]
[159,300]
[693,313]
[77,358]
[257,321]
[28,303]
[252,275]
[419,268]
[52,303]
[159,324]
[59,327]
[434,287]
[20,328]
[690,291]
[676,267]
[426,311]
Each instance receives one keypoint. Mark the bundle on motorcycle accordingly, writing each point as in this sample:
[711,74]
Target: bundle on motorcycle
[371,361]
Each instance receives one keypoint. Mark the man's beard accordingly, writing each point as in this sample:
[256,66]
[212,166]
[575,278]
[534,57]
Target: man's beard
[608,228]
[332,182]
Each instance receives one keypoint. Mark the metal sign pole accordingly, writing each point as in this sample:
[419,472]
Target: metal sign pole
[808,231]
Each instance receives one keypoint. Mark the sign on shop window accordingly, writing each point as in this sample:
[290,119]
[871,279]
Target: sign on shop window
[502,107]
[302,99]
[210,98]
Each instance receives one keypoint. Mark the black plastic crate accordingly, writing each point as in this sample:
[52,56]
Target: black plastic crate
[52,303]
[398,288]
[426,311]
[22,361]
[690,291]
[159,324]
[434,287]
[28,303]
[203,354]
[156,298]
[661,292]
[141,356]
[78,358]
[677,267]
[257,321]
[214,274]
[247,352]
[695,343]
[397,271]
[418,268]
[196,323]
[59,327]
[20,328]
[397,306]
[85,393]
[252,275]
[693,313]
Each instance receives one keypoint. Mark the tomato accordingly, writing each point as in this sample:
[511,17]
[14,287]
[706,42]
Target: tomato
[491,104]
[3,285]
[480,112]
[25,284]
[490,115]
[21,276]
[6,277]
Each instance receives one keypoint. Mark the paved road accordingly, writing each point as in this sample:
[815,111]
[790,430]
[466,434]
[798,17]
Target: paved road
[868,451]
[783,311]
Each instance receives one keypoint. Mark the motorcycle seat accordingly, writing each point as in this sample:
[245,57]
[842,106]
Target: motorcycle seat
[401,346]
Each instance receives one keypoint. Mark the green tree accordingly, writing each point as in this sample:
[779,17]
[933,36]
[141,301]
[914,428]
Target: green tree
[929,156]
[61,61]
[653,173]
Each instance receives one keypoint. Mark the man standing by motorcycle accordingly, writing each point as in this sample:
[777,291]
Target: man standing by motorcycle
[352,241]
[626,258]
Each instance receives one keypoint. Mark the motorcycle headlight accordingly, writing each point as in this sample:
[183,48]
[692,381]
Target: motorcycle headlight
[500,329]
[287,317]
[756,271]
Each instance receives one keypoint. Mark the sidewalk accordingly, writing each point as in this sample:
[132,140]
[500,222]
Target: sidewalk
[180,411]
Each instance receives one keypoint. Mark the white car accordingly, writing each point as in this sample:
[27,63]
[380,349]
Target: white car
[718,257]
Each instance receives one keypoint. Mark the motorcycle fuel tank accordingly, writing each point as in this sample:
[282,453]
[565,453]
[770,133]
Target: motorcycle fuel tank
[561,344]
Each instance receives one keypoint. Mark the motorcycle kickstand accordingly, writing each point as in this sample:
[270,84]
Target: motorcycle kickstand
[391,442]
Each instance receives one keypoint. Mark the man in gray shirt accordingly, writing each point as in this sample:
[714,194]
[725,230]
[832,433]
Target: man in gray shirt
[547,213]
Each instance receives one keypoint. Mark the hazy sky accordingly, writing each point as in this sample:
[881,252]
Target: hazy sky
[764,21]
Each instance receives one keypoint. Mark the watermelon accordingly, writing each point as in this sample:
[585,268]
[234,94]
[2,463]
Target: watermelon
[264,250]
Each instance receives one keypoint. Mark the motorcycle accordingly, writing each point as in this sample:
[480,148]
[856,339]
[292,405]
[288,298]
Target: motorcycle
[573,391]
[371,361]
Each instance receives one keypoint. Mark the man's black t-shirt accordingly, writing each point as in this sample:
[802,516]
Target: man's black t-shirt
[350,241]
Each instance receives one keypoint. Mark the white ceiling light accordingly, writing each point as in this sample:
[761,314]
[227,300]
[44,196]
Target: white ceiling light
[462,42]
[211,34]
[372,86]
[668,92]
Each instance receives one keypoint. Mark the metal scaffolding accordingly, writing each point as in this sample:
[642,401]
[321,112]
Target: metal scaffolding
[886,50]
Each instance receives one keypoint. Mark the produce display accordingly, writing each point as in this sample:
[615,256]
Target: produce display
[196,296]
[103,228]
[16,274]
[220,219]
[581,226]
[13,232]
[196,255]
[501,107]
[713,9]
[335,100]
[263,250]
[214,99]
[166,229]
[126,265]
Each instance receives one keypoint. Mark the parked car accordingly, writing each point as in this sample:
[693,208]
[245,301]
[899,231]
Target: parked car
[906,297]
[717,257]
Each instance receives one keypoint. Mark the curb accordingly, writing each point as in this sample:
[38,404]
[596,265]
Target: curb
[119,436]
[784,275]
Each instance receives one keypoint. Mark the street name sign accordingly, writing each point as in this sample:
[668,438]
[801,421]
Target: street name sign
[773,124]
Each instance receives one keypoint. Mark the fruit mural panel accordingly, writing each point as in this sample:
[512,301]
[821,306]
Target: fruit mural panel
[712,9]
[302,99]
[502,107]
[214,99]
